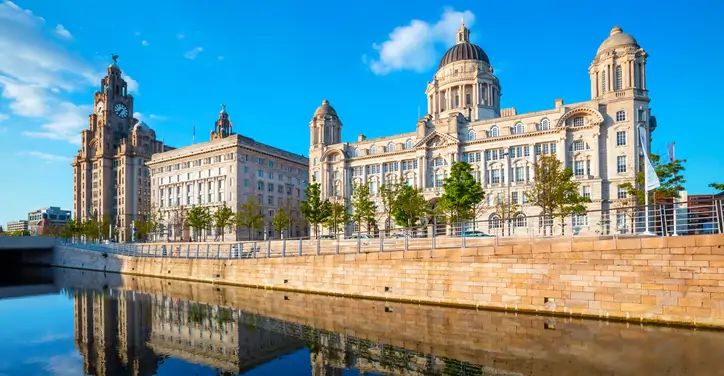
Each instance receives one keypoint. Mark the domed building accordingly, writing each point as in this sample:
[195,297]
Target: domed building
[597,139]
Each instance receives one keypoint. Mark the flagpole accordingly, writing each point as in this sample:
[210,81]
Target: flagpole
[643,139]
[193,135]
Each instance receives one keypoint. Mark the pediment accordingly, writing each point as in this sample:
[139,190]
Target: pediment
[437,139]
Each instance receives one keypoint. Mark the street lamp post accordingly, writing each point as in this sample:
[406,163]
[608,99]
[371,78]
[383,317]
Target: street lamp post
[509,173]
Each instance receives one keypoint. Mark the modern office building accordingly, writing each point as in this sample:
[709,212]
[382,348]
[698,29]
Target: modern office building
[21,225]
[110,177]
[598,138]
[227,171]
[52,216]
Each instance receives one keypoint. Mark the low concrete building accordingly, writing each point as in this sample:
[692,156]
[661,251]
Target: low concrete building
[50,217]
[227,171]
[21,225]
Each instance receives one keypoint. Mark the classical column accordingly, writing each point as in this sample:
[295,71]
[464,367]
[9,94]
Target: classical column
[422,170]
[643,75]
[596,156]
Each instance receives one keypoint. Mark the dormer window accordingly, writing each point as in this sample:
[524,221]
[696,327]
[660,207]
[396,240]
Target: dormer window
[390,147]
[373,149]
[545,124]
[356,152]
[518,129]
[494,131]
[408,144]
[471,135]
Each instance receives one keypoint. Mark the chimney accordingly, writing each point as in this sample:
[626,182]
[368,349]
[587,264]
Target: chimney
[361,138]
[559,102]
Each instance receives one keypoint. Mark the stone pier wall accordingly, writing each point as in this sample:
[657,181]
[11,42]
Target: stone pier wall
[674,280]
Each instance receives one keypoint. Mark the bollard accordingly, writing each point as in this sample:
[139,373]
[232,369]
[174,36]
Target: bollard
[301,244]
[382,241]
[319,250]
[284,247]
[359,244]
[268,248]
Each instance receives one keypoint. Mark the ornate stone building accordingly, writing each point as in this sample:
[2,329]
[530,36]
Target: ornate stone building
[597,139]
[110,177]
[227,171]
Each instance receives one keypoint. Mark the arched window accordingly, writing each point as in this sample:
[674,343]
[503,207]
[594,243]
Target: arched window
[619,78]
[390,147]
[356,152]
[316,161]
[494,222]
[518,128]
[494,131]
[373,149]
[471,135]
[620,116]
[603,81]
[545,124]
[408,144]
[520,220]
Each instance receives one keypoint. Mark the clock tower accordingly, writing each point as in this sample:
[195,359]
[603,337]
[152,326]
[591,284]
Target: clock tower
[110,179]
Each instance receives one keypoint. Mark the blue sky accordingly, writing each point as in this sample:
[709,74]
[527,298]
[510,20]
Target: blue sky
[273,62]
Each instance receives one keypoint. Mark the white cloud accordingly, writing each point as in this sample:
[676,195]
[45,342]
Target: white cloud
[144,42]
[48,158]
[62,32]
[132,84]
[180,36]
[138,115]
[157,117]
[51,337]
[193,53]
[36,73]
[414,46]
[4,117]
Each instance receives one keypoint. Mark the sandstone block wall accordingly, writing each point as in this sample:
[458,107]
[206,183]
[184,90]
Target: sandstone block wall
[674,279]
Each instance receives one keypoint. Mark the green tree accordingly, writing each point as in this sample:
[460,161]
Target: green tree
[224,217]
[389,193]
[249,216]
[670,175]
[338,217]
[554,190]
[363,208]
[316,210]
[410,207]
[142,229]
[154,219]
[718,186]
[280,221]
[199,219]
[462,192]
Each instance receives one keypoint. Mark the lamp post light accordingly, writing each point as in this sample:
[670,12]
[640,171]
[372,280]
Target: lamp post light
[509,172]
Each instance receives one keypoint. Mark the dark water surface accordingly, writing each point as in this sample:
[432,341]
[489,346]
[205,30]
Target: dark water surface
[69,322]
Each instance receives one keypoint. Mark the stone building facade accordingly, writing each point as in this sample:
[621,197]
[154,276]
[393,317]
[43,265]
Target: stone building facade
[227,171]
[597,138]
[110,177]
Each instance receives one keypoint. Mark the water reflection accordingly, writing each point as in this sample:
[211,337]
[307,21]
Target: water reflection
[139,326]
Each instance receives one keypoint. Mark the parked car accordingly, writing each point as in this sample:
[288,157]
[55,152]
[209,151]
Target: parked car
[326,236]
[361,236]
[400,236]
[475,234]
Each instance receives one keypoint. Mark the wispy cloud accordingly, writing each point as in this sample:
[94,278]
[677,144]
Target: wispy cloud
[4,117]
[63,32]
[414,46]
[132,84]
[60,365]
[37,77]
[180,36]
[144,42]
[44,156]
[193,53]
[138,115]
[157,117]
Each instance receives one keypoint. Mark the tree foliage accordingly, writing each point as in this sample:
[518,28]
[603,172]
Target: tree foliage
[224,218]
[316,210]
[199,219]
[389,193]
[670,175]
[363,208]
[505,210]
[410,207]
[249,216]
[462,192]
[280,221]
[718,186]
[338,217]
[554,190]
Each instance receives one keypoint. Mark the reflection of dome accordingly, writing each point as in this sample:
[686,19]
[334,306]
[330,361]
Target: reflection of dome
[141,126]
[617,38]
[325,109]
[463,51]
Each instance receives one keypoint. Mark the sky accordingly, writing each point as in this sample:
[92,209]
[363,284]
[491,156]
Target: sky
[273,62]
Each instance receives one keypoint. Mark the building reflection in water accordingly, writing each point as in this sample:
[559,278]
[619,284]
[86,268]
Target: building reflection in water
[129,333]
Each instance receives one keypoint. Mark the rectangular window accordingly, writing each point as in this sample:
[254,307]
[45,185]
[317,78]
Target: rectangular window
[495,176]
[586,191]
[578,168]
[622,193]
[260,173]
[526,151]
[270,200]
[271,175]
[259,185]
[270,187]
[621,163]
[271,164]
[578,121]
[467,100]
[525,198]
[545,149]
[621,138]
[487,155]
[519,174]
[514,198]
[246,169]
[260,161]
[580,219]
[246,182]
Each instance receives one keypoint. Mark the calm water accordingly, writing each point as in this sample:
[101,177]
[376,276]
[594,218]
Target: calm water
[66,322]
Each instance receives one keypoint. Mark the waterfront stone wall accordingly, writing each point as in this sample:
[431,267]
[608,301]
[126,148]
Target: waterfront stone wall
[664,279]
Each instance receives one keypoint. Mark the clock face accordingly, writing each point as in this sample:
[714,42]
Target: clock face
[121,110]
[99,108]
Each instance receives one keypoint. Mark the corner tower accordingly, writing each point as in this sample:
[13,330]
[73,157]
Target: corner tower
[325,127]
[464,83]
[619,68]
[222,127]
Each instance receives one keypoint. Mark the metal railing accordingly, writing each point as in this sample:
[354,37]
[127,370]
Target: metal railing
[654,220]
